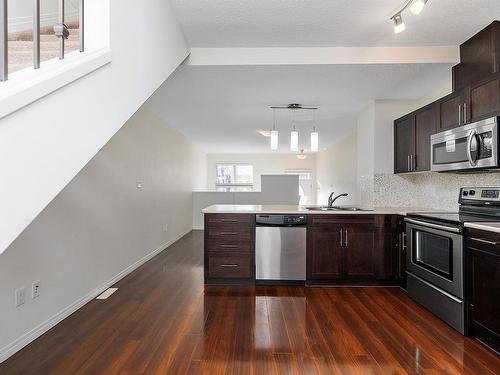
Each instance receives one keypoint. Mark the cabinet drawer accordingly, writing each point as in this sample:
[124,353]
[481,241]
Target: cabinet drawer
[230,266]
[229,235]
[484,241]
[329,219]
[238,248]
[230,219]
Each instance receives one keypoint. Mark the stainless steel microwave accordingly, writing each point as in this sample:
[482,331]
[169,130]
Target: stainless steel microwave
[467,148]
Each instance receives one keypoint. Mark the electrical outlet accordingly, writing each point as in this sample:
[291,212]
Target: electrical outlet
[20,296]
[35,289]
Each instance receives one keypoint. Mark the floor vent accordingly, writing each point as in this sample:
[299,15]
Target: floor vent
[108,292]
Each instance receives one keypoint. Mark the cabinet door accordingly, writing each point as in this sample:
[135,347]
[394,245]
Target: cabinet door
[360,251]
[324,253]
[451,113]
[425,126]
[483,100]
[484,271]
[404,143]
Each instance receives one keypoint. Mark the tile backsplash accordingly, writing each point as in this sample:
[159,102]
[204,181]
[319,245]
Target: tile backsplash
[432,190]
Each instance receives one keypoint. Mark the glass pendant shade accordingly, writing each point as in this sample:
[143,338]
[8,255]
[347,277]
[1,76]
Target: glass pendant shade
[274,139]
[294,140]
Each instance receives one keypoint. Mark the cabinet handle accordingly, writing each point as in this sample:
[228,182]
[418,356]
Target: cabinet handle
[229,233]
[408,163]
[413,162]
[403,238]
[228,265]
[484,241]
[229,220]
[345,240]
[229,246]
[341,243]
[465,113]
[460,114]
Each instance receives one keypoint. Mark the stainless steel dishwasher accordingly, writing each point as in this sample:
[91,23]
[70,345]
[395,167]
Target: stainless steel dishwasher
[280,248]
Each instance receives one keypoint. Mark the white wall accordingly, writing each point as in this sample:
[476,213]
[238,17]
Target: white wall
[262,164]
[101,223]
[44,145]
[336,171]
[365,154]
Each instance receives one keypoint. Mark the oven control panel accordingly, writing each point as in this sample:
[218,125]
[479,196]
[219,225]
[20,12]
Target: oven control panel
[482,195]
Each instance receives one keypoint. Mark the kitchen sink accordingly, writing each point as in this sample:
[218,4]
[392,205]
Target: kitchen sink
[336,208]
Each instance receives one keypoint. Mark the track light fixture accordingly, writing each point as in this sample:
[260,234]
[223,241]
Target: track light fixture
[399,25]
[415,7]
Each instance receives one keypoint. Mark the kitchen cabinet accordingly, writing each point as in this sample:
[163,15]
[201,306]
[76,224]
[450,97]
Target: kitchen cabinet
[412,134]
[452,109]
[404,144]
[229,248]
[479,57]
[350,249]
[324,252]
[483,100]
[483,286]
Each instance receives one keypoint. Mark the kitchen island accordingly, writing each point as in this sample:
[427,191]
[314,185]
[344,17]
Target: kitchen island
[343,247]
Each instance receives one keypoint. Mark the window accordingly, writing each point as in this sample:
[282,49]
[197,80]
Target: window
[234,177]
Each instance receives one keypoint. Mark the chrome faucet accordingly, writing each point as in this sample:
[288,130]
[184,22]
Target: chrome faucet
[331,199]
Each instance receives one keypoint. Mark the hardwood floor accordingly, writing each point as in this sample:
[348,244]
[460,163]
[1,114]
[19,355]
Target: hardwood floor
[163,320]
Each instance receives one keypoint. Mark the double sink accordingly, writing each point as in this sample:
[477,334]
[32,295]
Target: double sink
[336,208]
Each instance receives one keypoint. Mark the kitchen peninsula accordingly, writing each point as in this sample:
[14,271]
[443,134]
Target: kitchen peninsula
[343,245]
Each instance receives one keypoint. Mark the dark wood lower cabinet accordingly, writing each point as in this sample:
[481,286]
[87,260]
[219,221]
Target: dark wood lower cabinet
[483,287]
[324,253]
[229,248]
[351,249]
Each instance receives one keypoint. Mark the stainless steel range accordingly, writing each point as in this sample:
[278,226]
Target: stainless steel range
[435,256]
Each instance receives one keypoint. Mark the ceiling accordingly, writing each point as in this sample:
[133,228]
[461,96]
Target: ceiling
[334,23]
[220,108]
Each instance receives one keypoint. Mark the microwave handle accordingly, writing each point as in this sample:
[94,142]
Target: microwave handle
[472,135]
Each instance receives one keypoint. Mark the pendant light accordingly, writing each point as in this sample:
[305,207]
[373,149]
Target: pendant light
[399,25]
[301,155]
[294,140]
[274,134]
[417,6]
[314,140]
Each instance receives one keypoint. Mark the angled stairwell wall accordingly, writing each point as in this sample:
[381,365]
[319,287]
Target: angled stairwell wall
[44,145]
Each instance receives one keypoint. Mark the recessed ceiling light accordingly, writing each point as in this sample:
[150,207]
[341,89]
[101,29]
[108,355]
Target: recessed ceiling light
[265,132]
[399,25]
[417,6]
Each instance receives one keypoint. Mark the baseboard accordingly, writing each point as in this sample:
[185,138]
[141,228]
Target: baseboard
[28,337]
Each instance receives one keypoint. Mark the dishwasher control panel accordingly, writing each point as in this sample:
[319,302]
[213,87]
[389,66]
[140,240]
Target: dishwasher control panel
[280,220]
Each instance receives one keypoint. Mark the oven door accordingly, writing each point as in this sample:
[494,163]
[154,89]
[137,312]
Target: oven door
[467,147]
[435,254]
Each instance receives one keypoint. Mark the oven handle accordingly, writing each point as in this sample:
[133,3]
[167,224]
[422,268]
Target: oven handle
[451,296]
[434,226]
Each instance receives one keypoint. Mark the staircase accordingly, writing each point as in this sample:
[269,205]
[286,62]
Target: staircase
[21,46]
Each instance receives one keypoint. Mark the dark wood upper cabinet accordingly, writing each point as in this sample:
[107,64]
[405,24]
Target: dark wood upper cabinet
[412,134]
[483,100]
[479,57]
[425,126]
[451,111]
[404,143]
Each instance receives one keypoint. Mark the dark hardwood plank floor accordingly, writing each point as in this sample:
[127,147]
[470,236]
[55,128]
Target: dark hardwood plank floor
[163,320]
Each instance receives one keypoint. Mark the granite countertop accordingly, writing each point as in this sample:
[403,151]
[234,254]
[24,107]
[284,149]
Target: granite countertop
[290,209]
[490,227]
